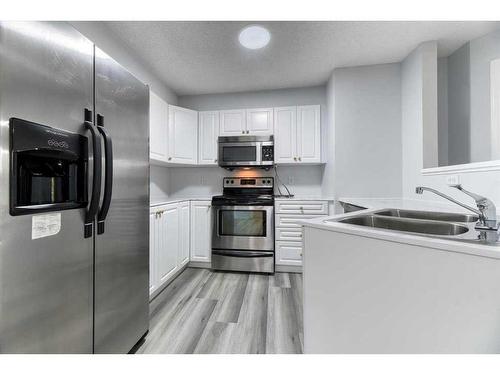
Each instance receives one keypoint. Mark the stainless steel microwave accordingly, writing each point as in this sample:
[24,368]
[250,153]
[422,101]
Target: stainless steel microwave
[246,151]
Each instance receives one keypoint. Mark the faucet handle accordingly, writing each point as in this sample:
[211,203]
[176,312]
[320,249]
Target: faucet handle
[480,200]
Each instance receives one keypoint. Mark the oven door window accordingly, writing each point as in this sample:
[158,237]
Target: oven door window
[239,153]
[248,223]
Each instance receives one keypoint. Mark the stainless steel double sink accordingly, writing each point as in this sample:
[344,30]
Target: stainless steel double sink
[427,223]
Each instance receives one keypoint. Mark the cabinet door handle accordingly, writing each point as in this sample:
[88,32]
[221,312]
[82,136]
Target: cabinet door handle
[242,132]
[294,159]
[215,160]
[169,158]
[248,131]
[300,159]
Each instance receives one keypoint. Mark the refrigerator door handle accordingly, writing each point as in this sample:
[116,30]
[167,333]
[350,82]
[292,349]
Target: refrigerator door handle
[108,179]
[96,181]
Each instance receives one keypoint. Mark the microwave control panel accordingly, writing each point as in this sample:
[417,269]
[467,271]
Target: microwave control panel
[267,153]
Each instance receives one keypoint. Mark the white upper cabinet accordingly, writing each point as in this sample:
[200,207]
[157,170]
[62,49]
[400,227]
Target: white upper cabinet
[308,134]
[285,137]
[257,121]
[158,119]
[297,135]
[182,135]
[233,122]
[208,122]
[260,121]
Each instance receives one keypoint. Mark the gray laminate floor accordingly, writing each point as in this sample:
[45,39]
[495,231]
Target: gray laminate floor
[213,312]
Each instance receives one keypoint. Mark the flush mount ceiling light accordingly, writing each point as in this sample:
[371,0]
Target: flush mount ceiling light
[254,37]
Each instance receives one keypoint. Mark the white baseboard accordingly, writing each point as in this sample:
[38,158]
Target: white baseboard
[200,264]
[167,283]
[290,269]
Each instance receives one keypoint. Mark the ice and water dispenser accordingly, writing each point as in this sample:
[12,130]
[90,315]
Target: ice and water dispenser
[48,170]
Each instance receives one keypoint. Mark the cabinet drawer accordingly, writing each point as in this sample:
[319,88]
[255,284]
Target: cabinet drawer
[292,221]
[289,234]
[289,253]
[302,207]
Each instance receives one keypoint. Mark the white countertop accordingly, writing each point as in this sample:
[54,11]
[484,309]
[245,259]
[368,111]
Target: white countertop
[480,249]
[155,203]
[183,199]
[304,198]
[408,204]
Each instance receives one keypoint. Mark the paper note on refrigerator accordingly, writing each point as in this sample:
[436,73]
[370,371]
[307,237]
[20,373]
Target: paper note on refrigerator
[45,225]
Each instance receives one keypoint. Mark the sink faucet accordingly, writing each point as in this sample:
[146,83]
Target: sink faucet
[487,225]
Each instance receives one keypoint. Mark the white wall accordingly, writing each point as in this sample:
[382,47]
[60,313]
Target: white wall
[365,128]
[205,182]
[418,75]
[256,99]
[112,45]
[328,133]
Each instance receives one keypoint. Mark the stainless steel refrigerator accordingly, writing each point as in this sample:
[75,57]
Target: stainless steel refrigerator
[74,195]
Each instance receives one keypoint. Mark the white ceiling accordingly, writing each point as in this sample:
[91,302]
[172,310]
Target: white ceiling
[205,57]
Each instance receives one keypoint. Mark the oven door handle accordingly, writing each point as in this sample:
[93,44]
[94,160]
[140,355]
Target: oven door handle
[244,254]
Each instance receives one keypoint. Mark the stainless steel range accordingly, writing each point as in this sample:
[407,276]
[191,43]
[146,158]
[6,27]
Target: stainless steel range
[243,231]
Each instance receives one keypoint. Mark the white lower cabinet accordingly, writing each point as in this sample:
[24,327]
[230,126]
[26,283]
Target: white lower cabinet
[289,253]
[179,232]
[184,233]
[153,251]
[201,231]
[169,242]
[289,231]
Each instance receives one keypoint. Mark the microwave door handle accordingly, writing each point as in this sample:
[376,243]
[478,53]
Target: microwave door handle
[108,179]
[96,181]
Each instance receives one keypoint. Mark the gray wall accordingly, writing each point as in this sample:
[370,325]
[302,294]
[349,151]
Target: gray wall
[482,51]
[468,110]
[417,74]
[442,110]
[367,130]
[459,115]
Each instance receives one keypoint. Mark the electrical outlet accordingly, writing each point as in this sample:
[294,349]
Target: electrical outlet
[202,180]
[453,179]
[290,179]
